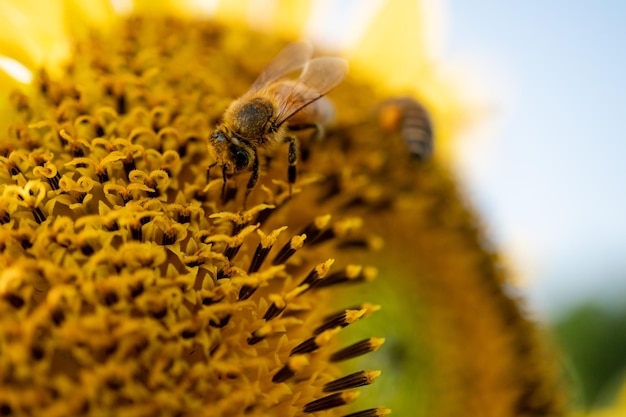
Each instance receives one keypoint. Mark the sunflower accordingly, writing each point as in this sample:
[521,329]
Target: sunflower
[139,279]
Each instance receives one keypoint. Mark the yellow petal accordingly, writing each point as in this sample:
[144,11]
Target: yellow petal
[233,11]
[13,75]
[13,69]
[38,33]
[396,54]
[81,16]
[174,8]
[280,17]
[394,47]
[290,17]
[33,32]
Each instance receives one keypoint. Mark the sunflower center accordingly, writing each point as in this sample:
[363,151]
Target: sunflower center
[130,281]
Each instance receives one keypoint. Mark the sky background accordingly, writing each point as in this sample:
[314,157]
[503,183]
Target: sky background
[547,168]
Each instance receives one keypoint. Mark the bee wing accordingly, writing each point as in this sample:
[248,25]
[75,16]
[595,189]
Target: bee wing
[290,58]
[320,76]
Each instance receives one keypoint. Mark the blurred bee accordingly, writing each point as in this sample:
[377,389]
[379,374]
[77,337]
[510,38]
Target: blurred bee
[409,118]
[274,107]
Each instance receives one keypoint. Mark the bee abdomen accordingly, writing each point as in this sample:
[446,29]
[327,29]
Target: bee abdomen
[410,119]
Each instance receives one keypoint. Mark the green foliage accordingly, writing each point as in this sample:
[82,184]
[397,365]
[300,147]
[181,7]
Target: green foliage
[593,336]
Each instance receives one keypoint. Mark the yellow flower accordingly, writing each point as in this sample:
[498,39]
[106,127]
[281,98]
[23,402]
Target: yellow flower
[130,284]
[617,409]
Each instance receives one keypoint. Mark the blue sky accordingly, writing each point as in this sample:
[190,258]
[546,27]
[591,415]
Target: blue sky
[549,182]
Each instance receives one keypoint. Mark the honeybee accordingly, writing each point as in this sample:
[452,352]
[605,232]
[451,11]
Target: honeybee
[409,118]
[274,107]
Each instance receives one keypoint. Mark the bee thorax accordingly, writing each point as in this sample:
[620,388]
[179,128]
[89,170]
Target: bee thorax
[250,119]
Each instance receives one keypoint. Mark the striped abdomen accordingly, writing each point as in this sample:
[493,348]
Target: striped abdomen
[409,118]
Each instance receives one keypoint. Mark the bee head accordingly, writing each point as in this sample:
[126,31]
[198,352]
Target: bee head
[231,152]
[218,136]
[240,157]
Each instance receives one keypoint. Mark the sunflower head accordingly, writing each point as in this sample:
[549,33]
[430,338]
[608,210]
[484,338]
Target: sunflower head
[142,275]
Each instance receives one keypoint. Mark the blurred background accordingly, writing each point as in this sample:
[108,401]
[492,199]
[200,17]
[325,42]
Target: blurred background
[549,175]
[544,162]
[546,165]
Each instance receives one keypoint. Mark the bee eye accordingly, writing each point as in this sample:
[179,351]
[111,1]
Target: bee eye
[219,136]
[241,158]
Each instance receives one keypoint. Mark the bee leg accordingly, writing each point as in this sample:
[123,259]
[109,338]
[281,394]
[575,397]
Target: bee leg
[317,133]
[208,172]
[224,183]
[292,159]
[318,129]
[254,178]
